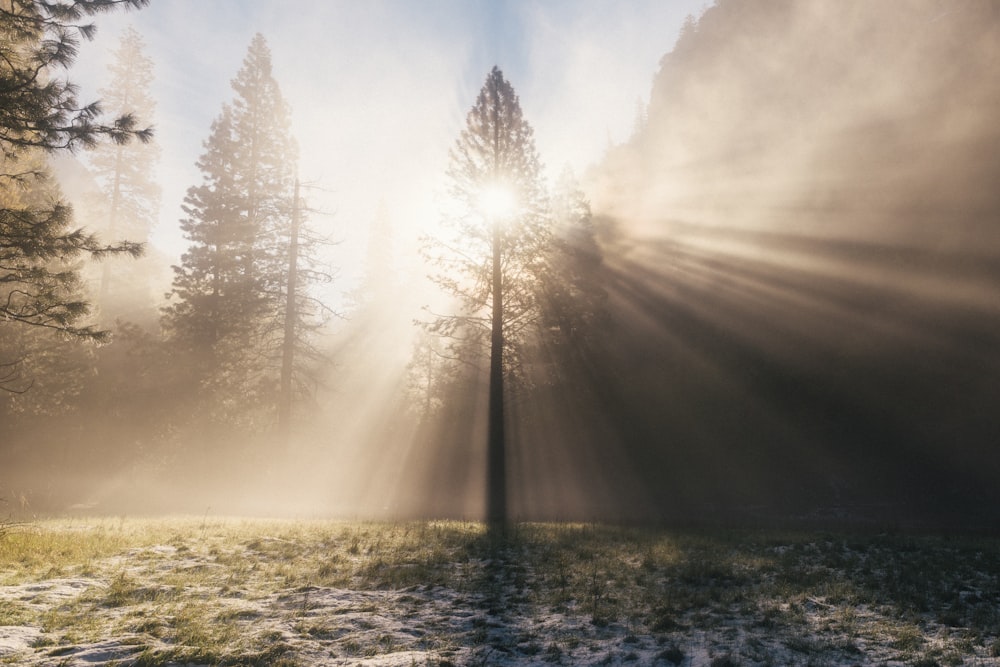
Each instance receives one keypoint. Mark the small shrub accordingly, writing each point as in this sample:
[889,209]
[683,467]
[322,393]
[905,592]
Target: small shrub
[908,638]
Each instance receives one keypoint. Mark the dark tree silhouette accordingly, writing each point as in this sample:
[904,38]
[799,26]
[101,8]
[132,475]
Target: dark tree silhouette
[494,255]
[40,110]
[242,308]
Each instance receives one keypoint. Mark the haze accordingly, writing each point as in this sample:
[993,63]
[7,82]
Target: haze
[796,214]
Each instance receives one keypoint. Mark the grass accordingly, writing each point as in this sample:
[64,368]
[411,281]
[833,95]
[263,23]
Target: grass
[240,592]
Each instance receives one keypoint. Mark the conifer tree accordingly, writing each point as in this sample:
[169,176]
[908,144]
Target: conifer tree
[494,256]
[41,286]
[39,41]
[40,250]
[209,287]
[231,304]
[126,174]
[572,301]
[495,154]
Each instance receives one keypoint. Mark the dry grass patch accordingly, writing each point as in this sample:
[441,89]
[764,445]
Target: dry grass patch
[234,591]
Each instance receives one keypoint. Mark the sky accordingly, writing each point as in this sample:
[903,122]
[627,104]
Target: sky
[379,90]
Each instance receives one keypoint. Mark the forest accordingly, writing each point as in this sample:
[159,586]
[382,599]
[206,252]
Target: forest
[776,302]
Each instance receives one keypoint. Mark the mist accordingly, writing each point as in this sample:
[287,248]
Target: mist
[799,269]
[806,226]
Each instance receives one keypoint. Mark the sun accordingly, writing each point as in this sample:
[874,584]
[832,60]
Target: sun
[497,201]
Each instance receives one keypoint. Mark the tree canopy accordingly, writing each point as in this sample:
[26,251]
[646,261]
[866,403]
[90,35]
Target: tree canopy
[495,150]
[39,114]
[240,304]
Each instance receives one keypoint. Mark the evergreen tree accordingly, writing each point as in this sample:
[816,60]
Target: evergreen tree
[230,293]
[209,286]
[39,113]
[126,174]
[494,256]
[42,286]
[573,302]
[495,152]
[39,110]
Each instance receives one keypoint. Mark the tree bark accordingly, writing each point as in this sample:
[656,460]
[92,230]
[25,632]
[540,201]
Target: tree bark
[496,470]
[496,483]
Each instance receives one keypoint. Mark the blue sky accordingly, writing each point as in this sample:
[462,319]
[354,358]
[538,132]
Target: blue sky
[379,88]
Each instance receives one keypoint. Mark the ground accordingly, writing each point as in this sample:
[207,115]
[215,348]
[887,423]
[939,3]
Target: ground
[239,592]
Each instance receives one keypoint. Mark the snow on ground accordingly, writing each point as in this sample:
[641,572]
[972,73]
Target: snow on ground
[15,639]
[47,593]
[329,627]
[497,621]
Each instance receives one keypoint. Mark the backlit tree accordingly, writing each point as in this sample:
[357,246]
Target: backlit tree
[492,256]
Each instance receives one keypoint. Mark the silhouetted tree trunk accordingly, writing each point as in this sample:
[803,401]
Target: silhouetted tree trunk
[494,260]
[496,474]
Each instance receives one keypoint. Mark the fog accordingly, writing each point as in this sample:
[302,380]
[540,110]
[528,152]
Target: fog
[800,258]
[808,225]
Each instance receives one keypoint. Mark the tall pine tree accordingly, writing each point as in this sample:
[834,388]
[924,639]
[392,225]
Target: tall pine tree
[494,255]
[127,177]
[229,297]
[572,300]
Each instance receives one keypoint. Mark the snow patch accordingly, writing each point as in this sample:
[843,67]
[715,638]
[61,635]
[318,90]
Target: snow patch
[44,594]
[15,639]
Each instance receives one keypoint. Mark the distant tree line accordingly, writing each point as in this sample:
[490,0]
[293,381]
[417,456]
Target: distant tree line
[236,339]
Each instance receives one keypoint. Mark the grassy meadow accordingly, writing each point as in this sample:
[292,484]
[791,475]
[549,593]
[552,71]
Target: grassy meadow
[211,591]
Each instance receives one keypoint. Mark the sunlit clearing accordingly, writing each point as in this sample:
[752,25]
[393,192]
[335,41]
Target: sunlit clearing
[497,201]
